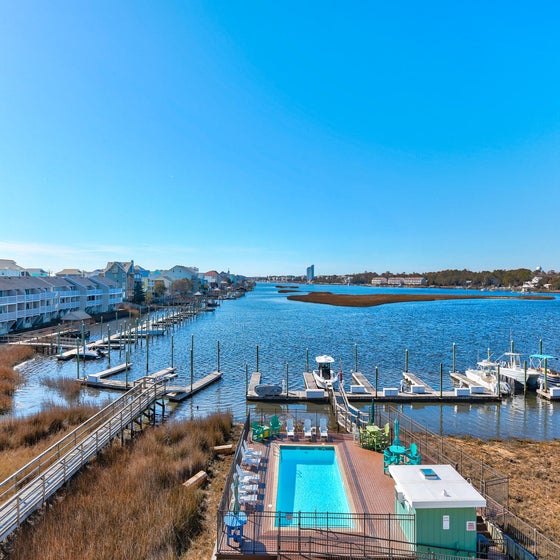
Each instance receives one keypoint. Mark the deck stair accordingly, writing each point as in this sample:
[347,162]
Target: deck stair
[31,486]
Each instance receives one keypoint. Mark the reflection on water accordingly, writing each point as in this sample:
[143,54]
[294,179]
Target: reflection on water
[283,330]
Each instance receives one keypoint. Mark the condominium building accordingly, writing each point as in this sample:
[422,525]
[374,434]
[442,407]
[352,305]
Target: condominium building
[29,302]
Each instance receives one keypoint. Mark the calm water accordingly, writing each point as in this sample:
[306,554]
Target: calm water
[284,329]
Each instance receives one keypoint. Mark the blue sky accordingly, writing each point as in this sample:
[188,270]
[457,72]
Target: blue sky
[262,137]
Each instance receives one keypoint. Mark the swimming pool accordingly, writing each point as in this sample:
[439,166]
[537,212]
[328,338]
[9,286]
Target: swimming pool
[309,480]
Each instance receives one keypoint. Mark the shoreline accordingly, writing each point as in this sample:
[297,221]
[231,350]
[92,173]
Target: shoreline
[372,300]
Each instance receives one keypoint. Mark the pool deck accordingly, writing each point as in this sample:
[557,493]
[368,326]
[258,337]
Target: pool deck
[369,492]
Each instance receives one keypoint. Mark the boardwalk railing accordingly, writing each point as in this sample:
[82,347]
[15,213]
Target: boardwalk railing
[27,489]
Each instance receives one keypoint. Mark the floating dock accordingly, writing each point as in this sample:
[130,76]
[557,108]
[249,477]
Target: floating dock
[553,393]
[174,393]
[361,389]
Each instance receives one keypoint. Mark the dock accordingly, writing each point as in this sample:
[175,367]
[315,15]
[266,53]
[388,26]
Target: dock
[362,390]
[174,393]
[553,393]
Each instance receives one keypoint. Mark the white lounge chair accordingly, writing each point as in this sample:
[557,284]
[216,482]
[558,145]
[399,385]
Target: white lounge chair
[250,460]
[323,428]
[246,476]
[290,430]
[250,450]
[244,498]
[248,488]
[308,429]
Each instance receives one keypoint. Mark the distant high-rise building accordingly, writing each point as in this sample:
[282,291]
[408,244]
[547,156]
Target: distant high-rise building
[310,273]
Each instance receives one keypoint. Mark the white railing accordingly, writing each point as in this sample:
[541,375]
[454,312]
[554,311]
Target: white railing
[29,488]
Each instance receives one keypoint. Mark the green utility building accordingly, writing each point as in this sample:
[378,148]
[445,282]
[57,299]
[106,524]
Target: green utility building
[444,504]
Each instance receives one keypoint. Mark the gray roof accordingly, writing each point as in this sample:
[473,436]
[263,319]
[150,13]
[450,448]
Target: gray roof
[76,316]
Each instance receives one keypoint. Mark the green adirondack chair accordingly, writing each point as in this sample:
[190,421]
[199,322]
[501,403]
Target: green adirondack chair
[275,425]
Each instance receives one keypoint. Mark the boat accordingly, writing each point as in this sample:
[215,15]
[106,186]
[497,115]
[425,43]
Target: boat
[514,371]
[541,363]
[323,375]
[487,374]
[268,390]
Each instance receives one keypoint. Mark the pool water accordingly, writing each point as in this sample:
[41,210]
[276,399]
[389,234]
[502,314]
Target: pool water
[310,482]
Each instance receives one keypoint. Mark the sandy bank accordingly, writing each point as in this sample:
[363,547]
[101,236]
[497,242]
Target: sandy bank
[370,300]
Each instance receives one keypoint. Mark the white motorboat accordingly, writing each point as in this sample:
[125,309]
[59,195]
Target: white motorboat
[514,371]
[323,375]
[487,374]
[541,363]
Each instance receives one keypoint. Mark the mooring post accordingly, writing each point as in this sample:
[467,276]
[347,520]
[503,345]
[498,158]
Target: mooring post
[192,368]
[77,358]
[307,359]
[524,376]
[147,354]
[355,358]
[109,345]
[545,386]
[376,379]
[246,378]
[257,358]
[172,343]
[406,361]
[440,380]
[454,352]
[219,356]
[287,391]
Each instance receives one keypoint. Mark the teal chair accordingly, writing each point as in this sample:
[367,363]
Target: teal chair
[389,459]
[414,458]
[257,431]
[274,425]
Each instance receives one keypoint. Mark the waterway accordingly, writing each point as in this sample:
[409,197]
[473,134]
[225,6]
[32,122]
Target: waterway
[284,329]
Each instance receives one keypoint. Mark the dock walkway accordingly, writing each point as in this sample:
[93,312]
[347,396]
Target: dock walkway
[32,485]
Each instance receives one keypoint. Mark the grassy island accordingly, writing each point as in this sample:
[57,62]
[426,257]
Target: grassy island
[370,300]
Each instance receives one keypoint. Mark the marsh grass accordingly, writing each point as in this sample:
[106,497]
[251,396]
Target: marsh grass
[532,468]
[11,355]
[68,388]
[130,503]
[22,439]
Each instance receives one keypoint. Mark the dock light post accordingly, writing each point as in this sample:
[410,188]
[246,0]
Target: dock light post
[172,344]
[219,356]
[440,380]
[376,379]
[406,361]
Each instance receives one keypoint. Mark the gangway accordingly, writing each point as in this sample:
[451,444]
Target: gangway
[31,486]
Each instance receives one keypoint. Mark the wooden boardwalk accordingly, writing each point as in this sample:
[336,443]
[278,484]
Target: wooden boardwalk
[32,485]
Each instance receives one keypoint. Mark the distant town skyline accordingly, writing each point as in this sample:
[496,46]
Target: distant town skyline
[232,135]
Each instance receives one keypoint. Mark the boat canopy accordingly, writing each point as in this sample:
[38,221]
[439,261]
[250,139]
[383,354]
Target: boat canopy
[543,357]
[324,359]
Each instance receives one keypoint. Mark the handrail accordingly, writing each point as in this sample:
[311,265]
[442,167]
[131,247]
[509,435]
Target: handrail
[43,460]
[47,481]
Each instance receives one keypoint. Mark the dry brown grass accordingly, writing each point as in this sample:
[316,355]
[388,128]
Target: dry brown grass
[370,300]
[532,468]
[130,503]
[22,439]
[11,355]
[68,388]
